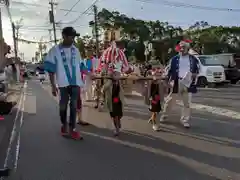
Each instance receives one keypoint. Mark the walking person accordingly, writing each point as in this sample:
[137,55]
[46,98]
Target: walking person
[79,101]
[63,61]
[114,99]
[88,80]
[182,76]
[155,96]
[41,74]
[99,96]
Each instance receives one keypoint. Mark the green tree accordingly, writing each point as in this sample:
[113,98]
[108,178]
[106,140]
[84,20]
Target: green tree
[206,39]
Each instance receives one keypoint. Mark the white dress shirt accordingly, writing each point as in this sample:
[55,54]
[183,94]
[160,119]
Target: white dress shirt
[184,66]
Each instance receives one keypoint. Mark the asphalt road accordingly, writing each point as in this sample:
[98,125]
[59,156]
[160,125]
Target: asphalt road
[207,151]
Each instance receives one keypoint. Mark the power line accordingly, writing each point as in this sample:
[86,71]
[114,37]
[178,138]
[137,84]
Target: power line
[185,5]
[72,8]
[46,27]
[26,6]
[38,29]
[42,6]
[83,13]
[52,20]
[31,41]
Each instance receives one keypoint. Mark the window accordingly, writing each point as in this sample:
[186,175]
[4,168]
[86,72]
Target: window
[209,61]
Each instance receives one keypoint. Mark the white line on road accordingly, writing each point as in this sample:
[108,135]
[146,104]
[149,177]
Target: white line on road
[199,107]
[175,112]
[215,110]
[210,109]
[14,130]
[18,142]
[17,153]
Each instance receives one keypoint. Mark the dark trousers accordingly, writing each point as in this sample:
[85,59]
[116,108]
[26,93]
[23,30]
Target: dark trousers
[69,93]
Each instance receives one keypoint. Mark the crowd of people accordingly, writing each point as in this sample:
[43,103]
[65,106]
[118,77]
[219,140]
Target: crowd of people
[70,74]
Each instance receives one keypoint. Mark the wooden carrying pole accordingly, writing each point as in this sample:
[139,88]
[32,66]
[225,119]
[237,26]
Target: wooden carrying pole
[136,78]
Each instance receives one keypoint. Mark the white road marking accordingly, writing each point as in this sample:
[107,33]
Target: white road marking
[31,106]
[18,142]
[211,109]
[208,89]
[215,110]
[176,113]
[14,130]
[17,153]
[206,108]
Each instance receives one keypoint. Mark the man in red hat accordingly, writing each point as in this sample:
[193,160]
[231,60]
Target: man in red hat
[182,75]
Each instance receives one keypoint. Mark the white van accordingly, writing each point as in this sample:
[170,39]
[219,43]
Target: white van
[210,71]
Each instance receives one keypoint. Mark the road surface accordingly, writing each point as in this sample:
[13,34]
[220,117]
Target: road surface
[207,151]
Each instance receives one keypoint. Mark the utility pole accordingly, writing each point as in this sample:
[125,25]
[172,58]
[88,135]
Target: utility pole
[52,19]
[96,29]
[40,47]
[15,37]
[15,30]
[50,34]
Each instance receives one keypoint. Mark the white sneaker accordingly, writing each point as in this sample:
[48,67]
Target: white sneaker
[155,127]
[185,123]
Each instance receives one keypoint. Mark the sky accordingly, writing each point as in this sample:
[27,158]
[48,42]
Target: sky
[35,21]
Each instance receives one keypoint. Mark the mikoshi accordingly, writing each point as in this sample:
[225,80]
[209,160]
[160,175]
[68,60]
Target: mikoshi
[110,56]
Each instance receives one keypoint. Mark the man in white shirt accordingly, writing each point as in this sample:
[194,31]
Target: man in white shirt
[88,79]
[63,61]
[182,75]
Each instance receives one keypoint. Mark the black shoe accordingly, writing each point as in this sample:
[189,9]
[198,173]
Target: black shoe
[4,172]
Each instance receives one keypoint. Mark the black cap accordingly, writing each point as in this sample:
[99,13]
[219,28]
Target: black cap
[69,31]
